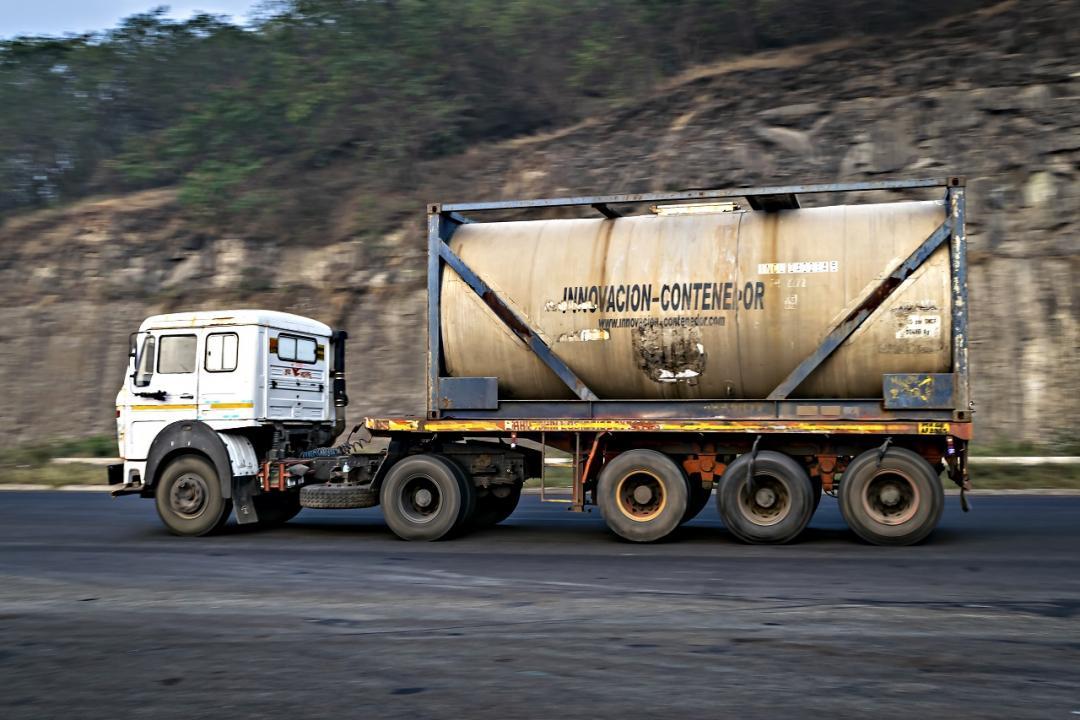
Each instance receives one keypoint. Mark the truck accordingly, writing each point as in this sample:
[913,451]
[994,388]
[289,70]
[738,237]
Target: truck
[764,345]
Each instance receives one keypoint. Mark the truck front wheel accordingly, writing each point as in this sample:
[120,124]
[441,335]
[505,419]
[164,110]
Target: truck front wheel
[188,497]
[426,497]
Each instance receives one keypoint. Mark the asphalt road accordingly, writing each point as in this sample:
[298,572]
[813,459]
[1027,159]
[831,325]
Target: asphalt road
[104,615]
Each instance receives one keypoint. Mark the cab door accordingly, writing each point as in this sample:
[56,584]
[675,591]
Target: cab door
[227,376]
[164,387]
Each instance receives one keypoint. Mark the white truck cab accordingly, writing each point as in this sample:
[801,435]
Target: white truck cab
[230,384]
[236,412]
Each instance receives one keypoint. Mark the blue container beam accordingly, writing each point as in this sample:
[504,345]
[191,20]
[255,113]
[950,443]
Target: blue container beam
[696,195]
[436,223]
[958,271]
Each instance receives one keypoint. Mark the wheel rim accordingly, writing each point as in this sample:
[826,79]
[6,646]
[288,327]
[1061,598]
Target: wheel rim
[419,499]
[890,498]
[188,496]
[641,496]
[766,501]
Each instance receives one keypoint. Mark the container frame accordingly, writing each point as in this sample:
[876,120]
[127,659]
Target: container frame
[465,399]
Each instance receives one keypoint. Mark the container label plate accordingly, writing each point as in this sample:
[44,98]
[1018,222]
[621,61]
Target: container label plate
[797,268]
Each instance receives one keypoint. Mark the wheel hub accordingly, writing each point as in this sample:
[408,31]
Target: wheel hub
[765,497]
[890,495]
[419,499]
[423,498]
[891,498]
[188,495]
[766,501]
[641,496]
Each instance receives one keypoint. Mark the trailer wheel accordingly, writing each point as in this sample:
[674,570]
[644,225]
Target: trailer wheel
[426,497]
[699,498]
[643,495]
[188,497]
[897,501]
[495,505]
[775,508]
[276,508]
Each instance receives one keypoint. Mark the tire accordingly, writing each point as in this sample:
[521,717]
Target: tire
[898,502]
[492,509]
[188,497]
[276,508]
[699,498]
[426,497]
[469,498]
[643,495]
[335,496]
[780,507]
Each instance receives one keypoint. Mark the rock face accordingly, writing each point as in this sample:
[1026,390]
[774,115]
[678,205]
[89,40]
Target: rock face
[992,96]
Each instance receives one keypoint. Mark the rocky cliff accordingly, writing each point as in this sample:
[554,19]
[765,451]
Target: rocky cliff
[992,96]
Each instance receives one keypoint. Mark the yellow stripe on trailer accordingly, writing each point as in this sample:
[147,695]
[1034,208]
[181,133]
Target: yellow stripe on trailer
[625,425]
[164,407]
[229,406]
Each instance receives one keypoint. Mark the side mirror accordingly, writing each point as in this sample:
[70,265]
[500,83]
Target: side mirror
[144,363]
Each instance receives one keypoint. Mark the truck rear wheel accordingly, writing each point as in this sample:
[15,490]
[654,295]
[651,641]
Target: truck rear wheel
[895,501]
[276,508]
[642,495]
[495,505]
[775,508]
[188,497]
[426,497]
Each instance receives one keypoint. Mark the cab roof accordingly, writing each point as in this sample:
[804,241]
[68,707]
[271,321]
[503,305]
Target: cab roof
[216,318]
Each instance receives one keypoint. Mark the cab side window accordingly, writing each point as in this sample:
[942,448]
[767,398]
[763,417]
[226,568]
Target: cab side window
[296,349]
[176,354]
[221,351]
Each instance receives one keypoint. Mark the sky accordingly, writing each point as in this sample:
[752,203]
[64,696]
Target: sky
[57,17]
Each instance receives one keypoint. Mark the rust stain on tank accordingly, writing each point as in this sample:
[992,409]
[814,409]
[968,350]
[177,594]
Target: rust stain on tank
[506,315]
[669,355]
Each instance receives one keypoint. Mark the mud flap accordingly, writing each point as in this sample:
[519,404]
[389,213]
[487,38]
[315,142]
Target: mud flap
[243,497]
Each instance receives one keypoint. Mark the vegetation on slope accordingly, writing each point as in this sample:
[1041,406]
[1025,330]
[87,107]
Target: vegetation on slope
[235,114]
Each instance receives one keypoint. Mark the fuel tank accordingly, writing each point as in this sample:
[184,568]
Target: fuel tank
[710,305]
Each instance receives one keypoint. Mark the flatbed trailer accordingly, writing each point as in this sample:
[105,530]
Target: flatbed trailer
[927,414]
